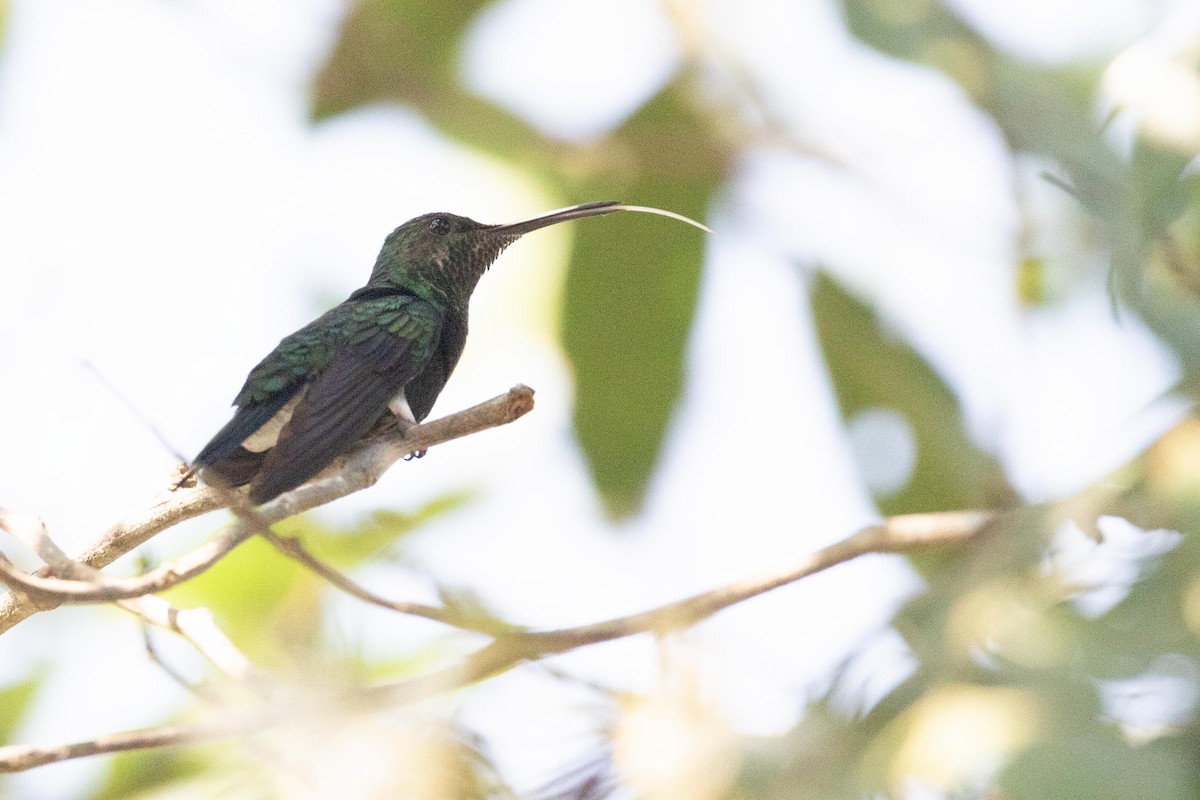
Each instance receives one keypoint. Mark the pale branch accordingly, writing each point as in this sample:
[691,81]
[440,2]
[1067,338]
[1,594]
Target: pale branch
[293,548]
[194,625]
[16,758]
[197,627]
[32,531]
[894,535]
[360,469]
[171,672]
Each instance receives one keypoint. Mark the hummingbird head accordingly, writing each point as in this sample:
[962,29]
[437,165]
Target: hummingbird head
[448,254]
[442,256]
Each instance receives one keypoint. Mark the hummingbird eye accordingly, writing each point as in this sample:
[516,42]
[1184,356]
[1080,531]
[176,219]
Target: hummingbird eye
[439,225]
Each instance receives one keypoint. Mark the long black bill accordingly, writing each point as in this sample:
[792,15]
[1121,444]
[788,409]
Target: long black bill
[580,211]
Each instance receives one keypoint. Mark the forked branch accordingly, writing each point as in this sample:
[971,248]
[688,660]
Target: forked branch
[895,535]
[44,590]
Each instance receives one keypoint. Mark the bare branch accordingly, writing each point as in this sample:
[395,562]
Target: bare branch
[194,625]
[293,548]
[32,531]
[16,758]
[357,471]
[894,535]
[197,626]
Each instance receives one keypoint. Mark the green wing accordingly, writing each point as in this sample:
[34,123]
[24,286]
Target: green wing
[352,361]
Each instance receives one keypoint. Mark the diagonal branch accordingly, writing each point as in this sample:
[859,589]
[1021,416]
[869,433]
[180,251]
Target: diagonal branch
[293,548]
[894,535]
[16,758]
[359,470]
[195,625]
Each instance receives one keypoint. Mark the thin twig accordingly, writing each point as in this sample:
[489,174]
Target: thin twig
[894,535]
[196,625]
[359,470]
[31,530]
[130,406]
[159,661]
[16,758]
[293,548]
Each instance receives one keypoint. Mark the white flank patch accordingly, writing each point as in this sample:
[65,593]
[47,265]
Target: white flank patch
[265,437]
[399,407]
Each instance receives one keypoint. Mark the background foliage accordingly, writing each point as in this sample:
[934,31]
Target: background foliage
[1059,657]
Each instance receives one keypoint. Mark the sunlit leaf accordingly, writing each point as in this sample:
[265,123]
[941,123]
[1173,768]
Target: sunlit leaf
[15,700]
[348,546]
[1103,766]
[263,599]
[872,369]
[631,292]
[249,592]
[140,773]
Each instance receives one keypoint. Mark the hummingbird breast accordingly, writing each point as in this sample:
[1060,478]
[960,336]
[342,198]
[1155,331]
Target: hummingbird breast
[422,391]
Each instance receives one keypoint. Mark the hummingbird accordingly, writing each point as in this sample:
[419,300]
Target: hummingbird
[381,356]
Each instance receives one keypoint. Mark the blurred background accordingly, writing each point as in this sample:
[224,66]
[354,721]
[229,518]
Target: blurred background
[956,264]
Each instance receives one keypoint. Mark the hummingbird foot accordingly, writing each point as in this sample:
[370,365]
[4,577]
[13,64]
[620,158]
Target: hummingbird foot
[404,426]
[394,423]
[404,419]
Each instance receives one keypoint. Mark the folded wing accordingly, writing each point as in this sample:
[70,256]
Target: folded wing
[389,342]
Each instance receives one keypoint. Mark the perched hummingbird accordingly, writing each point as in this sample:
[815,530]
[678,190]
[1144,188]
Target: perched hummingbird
[388,349]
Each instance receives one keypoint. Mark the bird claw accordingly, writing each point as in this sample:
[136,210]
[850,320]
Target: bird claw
[415,454]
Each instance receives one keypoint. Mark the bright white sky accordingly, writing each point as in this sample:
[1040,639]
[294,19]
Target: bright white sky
[168,214]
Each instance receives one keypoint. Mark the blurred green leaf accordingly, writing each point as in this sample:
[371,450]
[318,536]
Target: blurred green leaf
[1168,301]
[15,700]
[139,773]
[406,51]
[1051,111]
[264,600]
[249,593]
[632,282]
[1079,745]
[403,50]
[872,369]
[348,546]
[467,607]
[1161,590]
[631,292]
[1103,767]
[1039,109]
[813,760]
